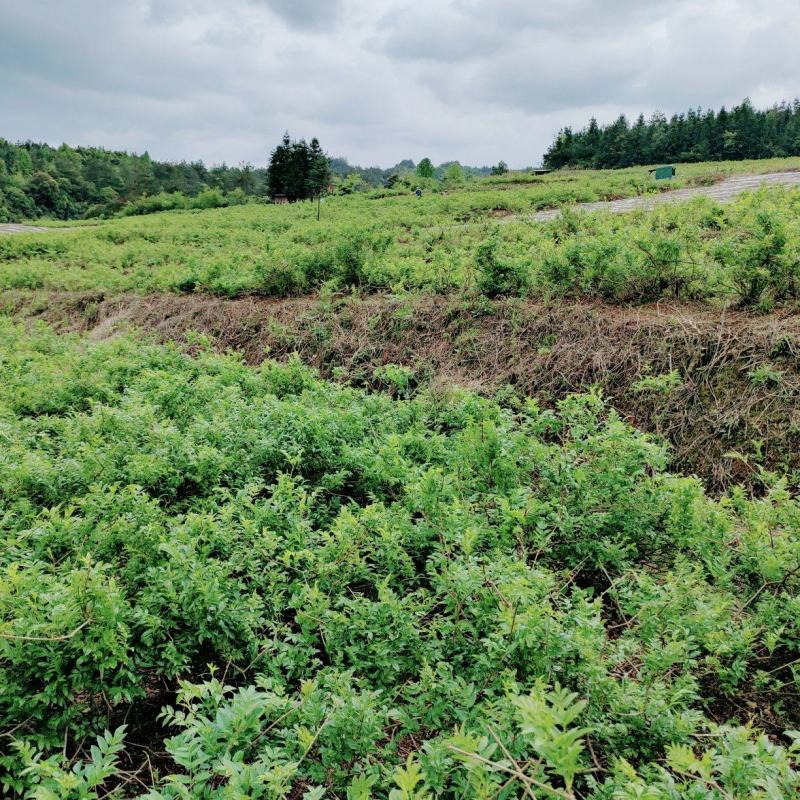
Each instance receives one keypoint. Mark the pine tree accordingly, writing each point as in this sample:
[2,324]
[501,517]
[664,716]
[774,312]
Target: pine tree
[278,171]
[298,170]
[320,170]
[696,135]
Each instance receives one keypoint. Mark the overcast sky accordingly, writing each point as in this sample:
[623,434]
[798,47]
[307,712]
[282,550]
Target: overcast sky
[376,80]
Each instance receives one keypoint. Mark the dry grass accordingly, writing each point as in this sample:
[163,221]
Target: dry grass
[734,410]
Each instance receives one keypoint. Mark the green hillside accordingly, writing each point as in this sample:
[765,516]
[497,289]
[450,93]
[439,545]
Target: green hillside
[397,502]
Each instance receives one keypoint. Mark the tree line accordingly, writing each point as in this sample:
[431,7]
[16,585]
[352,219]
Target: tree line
[375,177]
[741,133]
[39,180]
[70,182]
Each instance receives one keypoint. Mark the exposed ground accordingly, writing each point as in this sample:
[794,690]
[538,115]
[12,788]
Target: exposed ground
[731,407]
[11,227]
[722,192]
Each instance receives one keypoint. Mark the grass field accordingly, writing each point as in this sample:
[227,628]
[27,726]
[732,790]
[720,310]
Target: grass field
[747,252]
[227,577]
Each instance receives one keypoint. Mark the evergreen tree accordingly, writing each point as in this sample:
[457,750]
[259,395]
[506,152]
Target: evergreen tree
[278,170]
[743,132]
[320,171]
[297,170]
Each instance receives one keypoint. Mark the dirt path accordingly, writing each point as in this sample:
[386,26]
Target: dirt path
[721,192]
[14,228]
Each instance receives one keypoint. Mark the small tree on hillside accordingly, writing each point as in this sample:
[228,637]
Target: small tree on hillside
[454,174]
[319,169]
[425,168]
[500,169]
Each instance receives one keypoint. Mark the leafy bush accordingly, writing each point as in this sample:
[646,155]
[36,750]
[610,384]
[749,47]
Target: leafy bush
[279,279]
[760,253]
[353,256]
[322,589]
[495,275]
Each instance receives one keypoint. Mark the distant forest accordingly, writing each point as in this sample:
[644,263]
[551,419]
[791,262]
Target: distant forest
[743,132]
[38,180]
[377,176]
[71,182]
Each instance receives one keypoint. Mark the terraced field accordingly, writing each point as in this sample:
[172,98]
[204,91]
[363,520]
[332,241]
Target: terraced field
[425,499]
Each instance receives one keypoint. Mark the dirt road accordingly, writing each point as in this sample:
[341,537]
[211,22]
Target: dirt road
[721,192]
[10,227]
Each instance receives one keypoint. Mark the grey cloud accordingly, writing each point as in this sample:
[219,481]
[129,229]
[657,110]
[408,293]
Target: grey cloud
[470,31]
[310,15]
[376,80]
[537,58]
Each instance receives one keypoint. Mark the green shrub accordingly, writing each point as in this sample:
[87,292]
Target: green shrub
[370,593]
[497,276]
[748,250]
[279,279]
[354,254]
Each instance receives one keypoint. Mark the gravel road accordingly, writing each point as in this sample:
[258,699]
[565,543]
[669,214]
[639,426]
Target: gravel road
[10,227]
[721,192]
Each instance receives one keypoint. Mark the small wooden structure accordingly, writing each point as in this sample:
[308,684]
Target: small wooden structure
[280,199]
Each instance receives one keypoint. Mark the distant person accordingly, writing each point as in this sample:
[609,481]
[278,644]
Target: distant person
[418,192]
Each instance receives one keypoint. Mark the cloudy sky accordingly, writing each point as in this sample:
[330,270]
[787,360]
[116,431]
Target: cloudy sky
[376,80]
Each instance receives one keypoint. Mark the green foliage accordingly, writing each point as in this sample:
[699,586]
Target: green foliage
[746,251]
[67,183]
[454,175]
[425,168]
[736,765]
[545,722]
[173,201]
[743,132]
[661,384]
[297,170]
[546,719]
[395,378]
[216,749]
[496,276]
[49,779]
[291,588]
[353,257]
[761,254]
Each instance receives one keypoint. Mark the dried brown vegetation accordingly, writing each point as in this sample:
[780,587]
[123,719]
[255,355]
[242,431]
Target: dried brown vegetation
[728,408]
